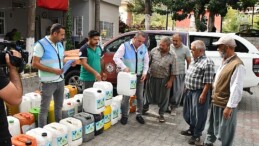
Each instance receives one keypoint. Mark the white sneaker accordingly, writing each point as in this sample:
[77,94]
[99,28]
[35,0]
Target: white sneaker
[173,112]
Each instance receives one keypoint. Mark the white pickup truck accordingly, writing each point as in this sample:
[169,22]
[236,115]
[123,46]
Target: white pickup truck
[245,50]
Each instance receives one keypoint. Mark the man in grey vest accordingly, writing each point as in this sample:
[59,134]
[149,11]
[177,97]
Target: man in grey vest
[226,94]
[48,58]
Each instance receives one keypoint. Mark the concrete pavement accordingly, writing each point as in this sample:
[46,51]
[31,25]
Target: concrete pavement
[154,133]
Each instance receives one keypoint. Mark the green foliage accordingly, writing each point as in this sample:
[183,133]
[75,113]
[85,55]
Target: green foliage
[214,5]
[69,22]
[242,4]
[256,26]
[230,22]
[137,7]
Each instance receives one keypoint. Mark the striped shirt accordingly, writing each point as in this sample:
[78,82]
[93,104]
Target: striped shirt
[200,72]
[161,65]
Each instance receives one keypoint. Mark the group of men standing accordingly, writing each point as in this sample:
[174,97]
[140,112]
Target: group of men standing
[163,69]
[167,82]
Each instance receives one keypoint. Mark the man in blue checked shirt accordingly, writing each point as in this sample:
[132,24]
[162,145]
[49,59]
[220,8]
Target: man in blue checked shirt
[198,81]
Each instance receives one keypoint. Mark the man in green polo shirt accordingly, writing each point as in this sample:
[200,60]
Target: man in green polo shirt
[90,56]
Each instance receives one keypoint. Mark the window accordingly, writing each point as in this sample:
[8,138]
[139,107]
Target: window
[114,46]
[240,47]
[207,40]
[210,47]
[154,39]
[78,26]
[106,29]
[2,23]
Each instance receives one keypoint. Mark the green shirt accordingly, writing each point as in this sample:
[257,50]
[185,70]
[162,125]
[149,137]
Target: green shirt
[93,58]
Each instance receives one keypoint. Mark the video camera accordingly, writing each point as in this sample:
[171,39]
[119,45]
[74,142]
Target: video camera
[6,47]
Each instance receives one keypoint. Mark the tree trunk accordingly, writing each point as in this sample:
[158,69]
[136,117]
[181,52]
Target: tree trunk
[211,22]
[197,22]
[97,15]
[31,18]
[147,14]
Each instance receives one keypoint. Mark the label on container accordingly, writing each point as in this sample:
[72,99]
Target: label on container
[26,128]
[71,112]
[67,95]
[109,95]
[133,84]
[99,125]
[62,141]
[107,118]
[48,143]
[115,114]
[89,128]
[134,102]
[100,103]
[77,134]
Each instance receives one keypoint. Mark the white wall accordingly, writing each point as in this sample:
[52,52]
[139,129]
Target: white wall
[91,14]
[110,13]
[113,2]
[16,18]
[46,16]
[81,8]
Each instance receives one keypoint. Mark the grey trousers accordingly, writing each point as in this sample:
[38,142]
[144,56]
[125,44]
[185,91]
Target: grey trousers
[177,90]
[47,90]
[139,96]
[194,113]
[157,93]
[88,84]
[221,128]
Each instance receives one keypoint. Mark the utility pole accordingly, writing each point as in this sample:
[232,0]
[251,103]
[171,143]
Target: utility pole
[31,18]
[253,16]
[97,15]
[166,19]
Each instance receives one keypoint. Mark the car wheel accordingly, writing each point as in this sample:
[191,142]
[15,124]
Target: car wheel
[72,78]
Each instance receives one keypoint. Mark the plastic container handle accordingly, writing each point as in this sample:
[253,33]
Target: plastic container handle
[22,139]
[25,115]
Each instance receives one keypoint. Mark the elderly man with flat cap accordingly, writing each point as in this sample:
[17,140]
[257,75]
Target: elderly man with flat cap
[226,95]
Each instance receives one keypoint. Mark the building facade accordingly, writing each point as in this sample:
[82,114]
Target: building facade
[14,14]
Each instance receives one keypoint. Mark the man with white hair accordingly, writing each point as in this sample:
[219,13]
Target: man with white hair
[226,94]
[162,73]
[198,80]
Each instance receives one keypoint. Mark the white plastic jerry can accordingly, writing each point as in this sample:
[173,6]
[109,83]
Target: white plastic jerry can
[66,93]
[114,113]
[107,89]
[93,100]
[25,105]
[78,100]
[13,126]
[35,99]
[126,83]
[68,109]
[42,136]
[74,127]
[59,133]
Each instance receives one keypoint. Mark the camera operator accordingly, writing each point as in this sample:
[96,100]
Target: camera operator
[10,92]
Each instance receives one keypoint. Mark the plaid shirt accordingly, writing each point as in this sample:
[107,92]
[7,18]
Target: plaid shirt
[201,71]
[160,65]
